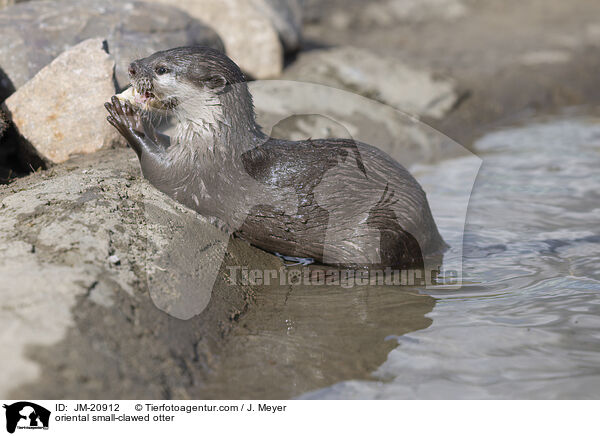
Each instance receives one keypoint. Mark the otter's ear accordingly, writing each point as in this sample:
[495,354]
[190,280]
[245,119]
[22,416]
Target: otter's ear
[216,82]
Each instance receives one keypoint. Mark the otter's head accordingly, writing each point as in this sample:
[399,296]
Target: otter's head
[195,83]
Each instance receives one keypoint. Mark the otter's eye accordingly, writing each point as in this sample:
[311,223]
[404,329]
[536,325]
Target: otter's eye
[161,70]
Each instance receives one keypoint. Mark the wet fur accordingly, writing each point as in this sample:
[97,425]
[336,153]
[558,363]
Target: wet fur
[338,201]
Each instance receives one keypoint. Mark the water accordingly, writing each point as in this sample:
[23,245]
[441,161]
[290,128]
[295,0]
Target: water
[527,322]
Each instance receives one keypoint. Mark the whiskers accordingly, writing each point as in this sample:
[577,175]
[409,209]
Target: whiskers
[154,116]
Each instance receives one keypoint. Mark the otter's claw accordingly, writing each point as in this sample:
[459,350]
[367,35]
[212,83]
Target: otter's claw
[127,121]
[126,114]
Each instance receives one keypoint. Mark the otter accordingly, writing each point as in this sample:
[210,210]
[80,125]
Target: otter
[337,201]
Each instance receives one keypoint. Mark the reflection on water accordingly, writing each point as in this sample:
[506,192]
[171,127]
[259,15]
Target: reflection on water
[308,337]
[527,323]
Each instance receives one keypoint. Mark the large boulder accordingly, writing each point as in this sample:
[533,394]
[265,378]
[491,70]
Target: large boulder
[383,78]
[5,3]
[93,268]
[60,111]
[34,33]
[413,11]
[287,17]
[297,110]
[255,32]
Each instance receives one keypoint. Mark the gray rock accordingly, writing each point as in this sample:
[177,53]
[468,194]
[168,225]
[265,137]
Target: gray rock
[249,35]
[297,110]
[60,111]
[38,31]
[413,11]
[286,16]
[74,325]
[7,3]
[383,78]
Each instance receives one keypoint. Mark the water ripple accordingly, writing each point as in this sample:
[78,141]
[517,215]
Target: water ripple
[527,324]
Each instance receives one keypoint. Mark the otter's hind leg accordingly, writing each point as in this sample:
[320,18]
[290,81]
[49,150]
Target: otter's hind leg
[397,247]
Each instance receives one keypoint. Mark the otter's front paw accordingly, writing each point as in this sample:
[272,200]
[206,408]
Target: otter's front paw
[127,121]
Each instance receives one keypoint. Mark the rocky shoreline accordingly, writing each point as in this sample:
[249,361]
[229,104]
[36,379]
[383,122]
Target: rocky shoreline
[507,59]
[76,234]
